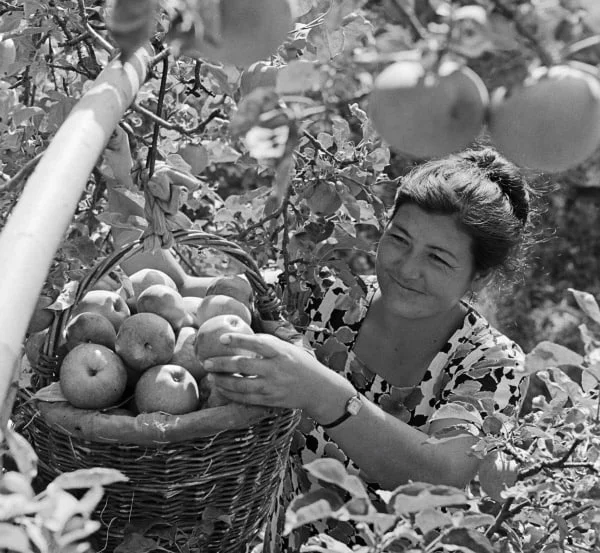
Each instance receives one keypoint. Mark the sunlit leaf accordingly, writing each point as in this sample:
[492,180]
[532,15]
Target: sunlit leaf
[51,393]
[13,538]
[87,478]
[587,303]
[332,471]
[22,453]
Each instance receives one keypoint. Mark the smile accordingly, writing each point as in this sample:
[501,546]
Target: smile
[404,287]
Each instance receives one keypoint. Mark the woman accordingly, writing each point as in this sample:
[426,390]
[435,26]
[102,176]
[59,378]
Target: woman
[387,365]
[383,372]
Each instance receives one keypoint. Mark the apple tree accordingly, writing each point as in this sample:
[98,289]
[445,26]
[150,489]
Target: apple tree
[284,126]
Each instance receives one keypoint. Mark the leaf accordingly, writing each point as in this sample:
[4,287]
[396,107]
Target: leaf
[57,508]
[316,505]
[51,393]
[415,497]
[470,539]
[297,77]
[587,303]
[430,519]
[458,410]
[22,453]
[88,478]
[331,545]
[219,152]
[14,538]
[334,472]
[548,354]
[136,543]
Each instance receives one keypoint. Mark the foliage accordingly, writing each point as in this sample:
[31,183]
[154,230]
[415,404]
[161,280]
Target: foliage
[297,174]
[55,520]
[551,504]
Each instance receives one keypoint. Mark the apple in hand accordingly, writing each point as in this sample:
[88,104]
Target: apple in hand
[144,340]
[232,285]
[164,301]
[92,377]
[220,304]
[107,303]
[207,342]
[185,355]
[90,326]
[167,388]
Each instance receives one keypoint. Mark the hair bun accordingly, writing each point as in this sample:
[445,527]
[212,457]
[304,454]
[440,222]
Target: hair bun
[505,174]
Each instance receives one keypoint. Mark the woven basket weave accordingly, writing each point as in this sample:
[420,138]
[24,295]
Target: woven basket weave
[212,474]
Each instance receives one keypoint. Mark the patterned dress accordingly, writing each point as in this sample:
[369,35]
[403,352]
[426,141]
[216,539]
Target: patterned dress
[478,366]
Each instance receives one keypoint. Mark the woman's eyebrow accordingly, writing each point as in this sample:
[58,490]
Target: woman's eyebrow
[398,227]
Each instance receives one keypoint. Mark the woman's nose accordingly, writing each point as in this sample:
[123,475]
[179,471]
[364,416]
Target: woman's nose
[408,266]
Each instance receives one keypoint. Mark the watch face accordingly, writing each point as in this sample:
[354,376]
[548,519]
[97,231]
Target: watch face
[354,405]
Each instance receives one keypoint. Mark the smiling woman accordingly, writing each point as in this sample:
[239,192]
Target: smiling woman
[413,359]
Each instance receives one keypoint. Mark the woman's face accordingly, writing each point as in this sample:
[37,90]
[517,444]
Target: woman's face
[424,263]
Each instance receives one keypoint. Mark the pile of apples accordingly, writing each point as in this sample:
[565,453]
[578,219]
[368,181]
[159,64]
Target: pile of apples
[142,351]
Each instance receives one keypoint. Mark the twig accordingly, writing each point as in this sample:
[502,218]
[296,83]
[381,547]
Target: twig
[318,145]
[500,517]
[418,28]
[174,126]
[161,98]
[99,39]
[560,462]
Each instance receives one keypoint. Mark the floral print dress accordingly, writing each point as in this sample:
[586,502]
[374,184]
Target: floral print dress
[477,366]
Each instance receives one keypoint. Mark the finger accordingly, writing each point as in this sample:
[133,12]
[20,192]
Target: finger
[233,364]
[261,344]
[240,384]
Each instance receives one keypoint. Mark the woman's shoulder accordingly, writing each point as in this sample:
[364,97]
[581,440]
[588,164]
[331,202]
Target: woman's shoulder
[479,342]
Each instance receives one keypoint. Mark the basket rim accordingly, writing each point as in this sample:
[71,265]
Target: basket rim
[152,429]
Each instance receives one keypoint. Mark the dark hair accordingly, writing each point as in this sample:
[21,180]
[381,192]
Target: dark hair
[487,193]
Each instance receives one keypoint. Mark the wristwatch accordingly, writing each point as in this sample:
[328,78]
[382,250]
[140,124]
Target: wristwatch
[353,406]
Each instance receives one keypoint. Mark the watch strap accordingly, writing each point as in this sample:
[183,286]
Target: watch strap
[347,413]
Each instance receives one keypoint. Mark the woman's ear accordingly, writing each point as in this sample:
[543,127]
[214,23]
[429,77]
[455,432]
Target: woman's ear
[481,280]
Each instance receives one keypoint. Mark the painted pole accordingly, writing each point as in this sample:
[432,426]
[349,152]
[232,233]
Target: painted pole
[45,209]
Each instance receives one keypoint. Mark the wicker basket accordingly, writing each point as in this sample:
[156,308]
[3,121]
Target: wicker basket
[212,474]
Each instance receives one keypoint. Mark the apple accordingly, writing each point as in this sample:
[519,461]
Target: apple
[167,388]
[232,285]
[191,304]
[144,340]
[428,114]
[323,199]
[42,317]
[107,303]
[207,342]
[140,280]
[551,122]
[185,355]
[497,472]
[220,304]
[92,377]
[90,326]
[164,301]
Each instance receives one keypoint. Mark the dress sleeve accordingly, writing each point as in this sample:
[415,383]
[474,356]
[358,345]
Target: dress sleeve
[487,378]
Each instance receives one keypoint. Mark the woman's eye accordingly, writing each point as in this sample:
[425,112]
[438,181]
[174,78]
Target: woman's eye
[440,261]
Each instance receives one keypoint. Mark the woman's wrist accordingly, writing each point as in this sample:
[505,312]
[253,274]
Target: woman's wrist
[329,401]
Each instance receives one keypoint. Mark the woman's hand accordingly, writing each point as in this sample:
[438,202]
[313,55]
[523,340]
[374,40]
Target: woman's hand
[282,374]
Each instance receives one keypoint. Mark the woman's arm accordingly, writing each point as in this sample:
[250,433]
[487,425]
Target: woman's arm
[386,449]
